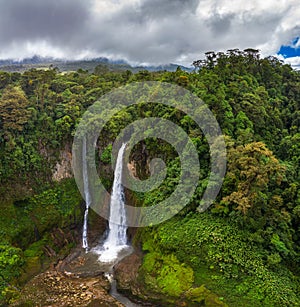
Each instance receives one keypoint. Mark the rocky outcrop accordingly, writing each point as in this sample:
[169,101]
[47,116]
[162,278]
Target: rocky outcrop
[63,168]
[130,278]
[126,273]
[130,282]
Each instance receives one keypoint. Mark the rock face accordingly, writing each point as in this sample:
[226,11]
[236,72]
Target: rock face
[126,273]
[63,168]
[129,281]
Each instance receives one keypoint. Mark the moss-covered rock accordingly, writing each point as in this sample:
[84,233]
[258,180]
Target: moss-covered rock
[166,274]
[204,297]
[220,258]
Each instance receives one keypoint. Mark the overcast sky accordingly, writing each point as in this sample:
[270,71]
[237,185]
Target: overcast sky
[146,31]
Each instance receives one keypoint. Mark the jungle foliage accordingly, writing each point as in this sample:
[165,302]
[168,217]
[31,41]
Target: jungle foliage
[245,248]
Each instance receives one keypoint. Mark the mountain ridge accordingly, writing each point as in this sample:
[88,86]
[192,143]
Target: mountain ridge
[39,62]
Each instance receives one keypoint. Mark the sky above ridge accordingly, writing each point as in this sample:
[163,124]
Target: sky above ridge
[148,31]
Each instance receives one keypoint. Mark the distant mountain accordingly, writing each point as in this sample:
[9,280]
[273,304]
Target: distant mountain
[168,67]
[86,64]
[33,60]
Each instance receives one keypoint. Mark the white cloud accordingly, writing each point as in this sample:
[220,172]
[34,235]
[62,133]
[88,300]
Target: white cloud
[293,61]
[145,31]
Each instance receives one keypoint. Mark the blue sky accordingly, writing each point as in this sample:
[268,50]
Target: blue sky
[290,53]
[292,50]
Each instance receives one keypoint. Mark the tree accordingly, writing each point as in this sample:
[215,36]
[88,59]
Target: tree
[252,168]
[13,109]
[4,79]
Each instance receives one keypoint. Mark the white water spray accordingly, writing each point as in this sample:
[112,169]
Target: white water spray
[86,194]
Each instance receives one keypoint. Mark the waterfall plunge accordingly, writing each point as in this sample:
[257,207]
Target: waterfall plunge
[116,239]
[86,194]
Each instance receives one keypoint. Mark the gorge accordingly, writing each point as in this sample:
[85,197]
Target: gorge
[241,252]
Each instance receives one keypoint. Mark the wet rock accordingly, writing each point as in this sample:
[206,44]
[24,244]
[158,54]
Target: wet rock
[126,273]
[99,302]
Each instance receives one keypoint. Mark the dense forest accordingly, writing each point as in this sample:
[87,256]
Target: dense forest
[243,251]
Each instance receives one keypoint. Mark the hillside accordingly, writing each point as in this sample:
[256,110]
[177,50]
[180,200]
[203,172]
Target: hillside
[243,251]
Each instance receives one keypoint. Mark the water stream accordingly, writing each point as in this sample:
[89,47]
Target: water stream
[85,244]
[114,293]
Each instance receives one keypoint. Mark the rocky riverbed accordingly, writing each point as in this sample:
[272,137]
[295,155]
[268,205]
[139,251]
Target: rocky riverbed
[80,280]
[54,288]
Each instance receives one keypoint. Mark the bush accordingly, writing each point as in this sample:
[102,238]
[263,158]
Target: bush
[232,263]
[11,261]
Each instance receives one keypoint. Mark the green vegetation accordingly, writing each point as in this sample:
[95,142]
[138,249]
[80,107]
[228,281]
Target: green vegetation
[168,275]
[33,229]
[222,258]
[243,251]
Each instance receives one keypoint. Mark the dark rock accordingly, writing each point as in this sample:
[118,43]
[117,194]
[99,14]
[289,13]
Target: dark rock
[126,273]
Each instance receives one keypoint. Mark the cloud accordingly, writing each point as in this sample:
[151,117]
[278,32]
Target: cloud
[32,26]
[157,9]
[144,31]
[32,20]
[221,24]
[293,61]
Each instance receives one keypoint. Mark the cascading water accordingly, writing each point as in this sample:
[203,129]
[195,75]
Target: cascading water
[115,246]
[116,239]
[86,194]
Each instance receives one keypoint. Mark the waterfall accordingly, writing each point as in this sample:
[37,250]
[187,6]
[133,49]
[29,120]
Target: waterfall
[117,217]
[86,194]
[115,246]
[116,239]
